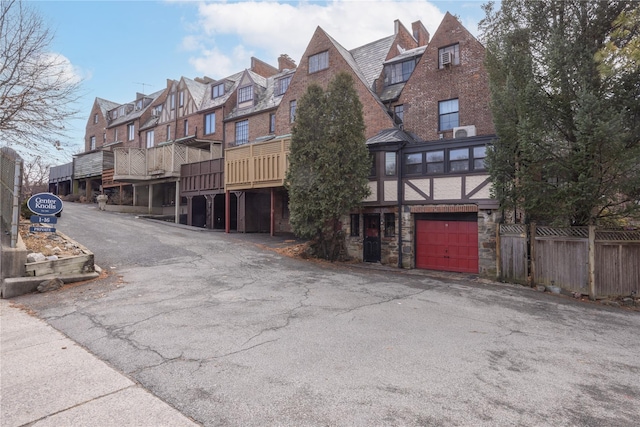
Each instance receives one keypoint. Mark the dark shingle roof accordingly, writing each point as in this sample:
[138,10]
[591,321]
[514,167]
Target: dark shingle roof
[371,56]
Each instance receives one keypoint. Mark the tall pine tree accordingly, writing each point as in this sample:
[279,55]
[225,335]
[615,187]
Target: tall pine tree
[328,165]
[567,113]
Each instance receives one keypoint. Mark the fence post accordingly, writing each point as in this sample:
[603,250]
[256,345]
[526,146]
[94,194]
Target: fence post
[532,253]
[592,262]
[498,254]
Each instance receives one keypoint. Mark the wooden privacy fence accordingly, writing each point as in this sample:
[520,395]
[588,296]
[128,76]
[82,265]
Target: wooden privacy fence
[578,259]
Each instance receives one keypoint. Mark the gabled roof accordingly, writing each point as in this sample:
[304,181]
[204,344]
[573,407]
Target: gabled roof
[196,89]
[370,57]
[134,113]
[267,99]
[106,105]
[231,84]
[348,57]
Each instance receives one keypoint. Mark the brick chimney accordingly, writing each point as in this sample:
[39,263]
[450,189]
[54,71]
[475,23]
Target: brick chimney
[286,63]
[420,33]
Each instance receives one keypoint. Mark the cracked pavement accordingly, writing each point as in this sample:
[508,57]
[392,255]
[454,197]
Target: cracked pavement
[233,334]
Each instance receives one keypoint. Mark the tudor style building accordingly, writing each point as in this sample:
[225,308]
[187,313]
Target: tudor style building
[214,152]
[430,204]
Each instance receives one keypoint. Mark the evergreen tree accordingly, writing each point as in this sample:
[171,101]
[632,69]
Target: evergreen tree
[328,165]
[566,108]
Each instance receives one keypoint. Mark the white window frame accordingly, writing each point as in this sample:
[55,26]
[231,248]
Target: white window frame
[131,131]
[92,143]
[150,137]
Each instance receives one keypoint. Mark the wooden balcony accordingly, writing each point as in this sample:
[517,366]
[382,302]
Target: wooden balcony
[258,165]
[146,164]
[202,178]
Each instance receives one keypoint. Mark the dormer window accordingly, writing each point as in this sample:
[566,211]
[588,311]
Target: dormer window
[217,90]
[398,72]
[449,55]
[157,110]
[245,94]
[318,62]
[121,113]
[282,85]
[114,114]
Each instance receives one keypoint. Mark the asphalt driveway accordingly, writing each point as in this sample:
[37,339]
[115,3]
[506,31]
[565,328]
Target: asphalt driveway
[231,333]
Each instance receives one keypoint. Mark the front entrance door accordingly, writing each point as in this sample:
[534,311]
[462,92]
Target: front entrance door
[371,238]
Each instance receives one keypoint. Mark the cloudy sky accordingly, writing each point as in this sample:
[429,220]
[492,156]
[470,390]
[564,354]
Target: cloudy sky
[119,48]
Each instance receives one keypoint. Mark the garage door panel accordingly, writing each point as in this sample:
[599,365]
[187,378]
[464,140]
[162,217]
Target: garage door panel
[447,245]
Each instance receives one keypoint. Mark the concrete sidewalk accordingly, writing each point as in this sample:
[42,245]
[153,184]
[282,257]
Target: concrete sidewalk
[48,380]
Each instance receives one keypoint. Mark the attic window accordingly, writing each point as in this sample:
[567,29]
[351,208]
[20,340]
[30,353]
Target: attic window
[398,72]
[245,94]
[217,91]
[114,114]
[95,118]
[282,85]
[449,55]
[318,62]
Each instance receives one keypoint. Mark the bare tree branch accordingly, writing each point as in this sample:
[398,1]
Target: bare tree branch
[37,87]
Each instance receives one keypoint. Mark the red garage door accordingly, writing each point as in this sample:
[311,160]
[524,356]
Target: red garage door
[447,245]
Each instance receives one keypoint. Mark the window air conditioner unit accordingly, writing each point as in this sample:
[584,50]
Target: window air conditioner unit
[464,131]
[446,58]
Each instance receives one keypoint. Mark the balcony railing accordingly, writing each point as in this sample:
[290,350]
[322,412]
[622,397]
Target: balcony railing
[202,178]
[140,164]
[258,165]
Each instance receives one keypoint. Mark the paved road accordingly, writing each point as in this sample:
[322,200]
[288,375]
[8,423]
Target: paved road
[232,334]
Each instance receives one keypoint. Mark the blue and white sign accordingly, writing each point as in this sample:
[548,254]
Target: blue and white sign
[45,204]
[39,219]
[42,229]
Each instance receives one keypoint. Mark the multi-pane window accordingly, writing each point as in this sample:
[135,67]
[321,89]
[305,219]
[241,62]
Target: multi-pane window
[150,139]
[282,85]
[390,163]
[479,154]
[448,114]
[131,131]
[413,163]
[398,72]
[272,123]
[181,99]
[398,112]
[217,90]
[435,161]
[114,114]
[121,113]
[92,143]
[245,94]
[389,224]
[459,160]
[242,132]
[318,62]
[292,111]
[157,110]
[209,123]
[454,160]
[449,55]
[355,225]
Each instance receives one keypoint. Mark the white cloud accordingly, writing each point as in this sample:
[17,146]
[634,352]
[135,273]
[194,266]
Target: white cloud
[271,28]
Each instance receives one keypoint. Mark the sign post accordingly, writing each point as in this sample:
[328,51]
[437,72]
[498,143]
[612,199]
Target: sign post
[45,206]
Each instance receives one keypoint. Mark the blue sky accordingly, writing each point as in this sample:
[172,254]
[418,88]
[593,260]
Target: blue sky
[119,48]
